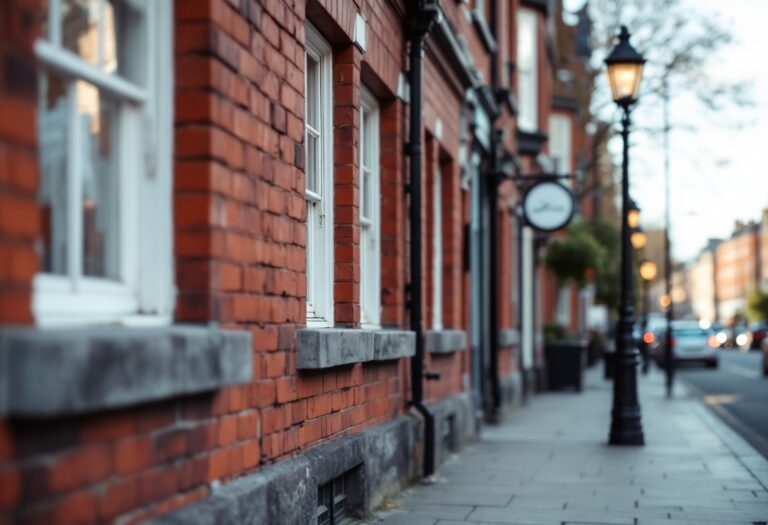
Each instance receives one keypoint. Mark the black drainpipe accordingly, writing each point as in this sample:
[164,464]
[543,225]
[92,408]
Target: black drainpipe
[493,197]
[422,19]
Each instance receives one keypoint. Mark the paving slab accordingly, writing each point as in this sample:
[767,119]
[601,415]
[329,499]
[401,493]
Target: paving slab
[549,463]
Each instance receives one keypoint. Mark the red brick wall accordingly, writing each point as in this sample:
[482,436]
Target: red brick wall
[239,247]
[19,216]
[240,237]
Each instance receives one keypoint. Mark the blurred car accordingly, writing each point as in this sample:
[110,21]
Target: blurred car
[733,337]
[756,335]
[690,344]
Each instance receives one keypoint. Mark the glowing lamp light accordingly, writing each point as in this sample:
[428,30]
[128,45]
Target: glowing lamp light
[625,70]
[638,240]
[664,301]
[648,270]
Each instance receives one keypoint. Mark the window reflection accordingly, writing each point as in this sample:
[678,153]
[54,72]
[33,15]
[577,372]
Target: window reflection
[53,114]
[108,34]
[98,118]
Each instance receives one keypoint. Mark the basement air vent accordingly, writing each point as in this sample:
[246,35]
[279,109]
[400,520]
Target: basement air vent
[332,502]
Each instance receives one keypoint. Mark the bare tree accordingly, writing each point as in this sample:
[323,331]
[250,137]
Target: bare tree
[679,44]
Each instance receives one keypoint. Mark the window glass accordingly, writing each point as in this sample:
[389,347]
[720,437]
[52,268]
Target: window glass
[313,71]
[560,143]
[52,116]
[319,179]
[105,34]
[365,167]
[99,174]
[312,118]
[98,121]
[365,204]
[370,276]
[312,161]
[437,258]
[527,84]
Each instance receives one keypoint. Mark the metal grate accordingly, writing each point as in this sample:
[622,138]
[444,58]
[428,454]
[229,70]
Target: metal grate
[332,503]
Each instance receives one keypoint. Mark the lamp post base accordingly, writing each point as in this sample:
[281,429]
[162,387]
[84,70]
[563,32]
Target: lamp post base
[626,425]
[626,428]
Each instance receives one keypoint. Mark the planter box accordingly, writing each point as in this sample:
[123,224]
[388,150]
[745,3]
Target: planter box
[566,361]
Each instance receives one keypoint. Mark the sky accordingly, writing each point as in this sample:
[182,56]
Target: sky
[718,165]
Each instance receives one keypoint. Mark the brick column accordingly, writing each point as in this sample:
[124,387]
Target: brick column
[393,216]
[346,158]
[19,212]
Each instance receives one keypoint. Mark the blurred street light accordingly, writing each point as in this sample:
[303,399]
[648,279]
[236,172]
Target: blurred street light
[678,295]
[664,301]
[648,273]
[639,239]
[625,70]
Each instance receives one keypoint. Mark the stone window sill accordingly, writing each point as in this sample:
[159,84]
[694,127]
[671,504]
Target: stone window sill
[320,348]
[52,373]
[446,341]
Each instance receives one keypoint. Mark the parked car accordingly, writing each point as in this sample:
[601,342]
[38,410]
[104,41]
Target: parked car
[734,337]
[691,344]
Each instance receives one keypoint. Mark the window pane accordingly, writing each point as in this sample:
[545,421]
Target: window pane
[312,94]
[98,119]
[52,119]
[365,205]
[312,163]
[105,33]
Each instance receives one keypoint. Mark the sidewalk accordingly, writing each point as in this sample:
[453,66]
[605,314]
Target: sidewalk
[548,463]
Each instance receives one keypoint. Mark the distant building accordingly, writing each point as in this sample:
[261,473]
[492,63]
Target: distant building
[737,270]
[681,296]
[702,289]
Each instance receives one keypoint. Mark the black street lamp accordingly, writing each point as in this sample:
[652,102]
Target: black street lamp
[625,69]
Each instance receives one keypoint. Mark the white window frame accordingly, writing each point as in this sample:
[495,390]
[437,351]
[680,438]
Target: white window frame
[320,270]
[370,223]
[143,293]
[560,147]
[437,249]
[527,69]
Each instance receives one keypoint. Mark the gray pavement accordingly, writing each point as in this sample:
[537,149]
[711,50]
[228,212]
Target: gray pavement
[737,392]
[548,463]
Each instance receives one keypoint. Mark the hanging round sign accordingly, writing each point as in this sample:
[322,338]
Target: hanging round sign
[548,206]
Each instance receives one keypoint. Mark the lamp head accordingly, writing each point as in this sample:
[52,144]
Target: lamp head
[625,69]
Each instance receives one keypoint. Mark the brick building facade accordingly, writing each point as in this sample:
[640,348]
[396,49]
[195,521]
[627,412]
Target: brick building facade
[207,247]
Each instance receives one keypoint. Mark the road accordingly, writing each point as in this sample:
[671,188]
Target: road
[737,392]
